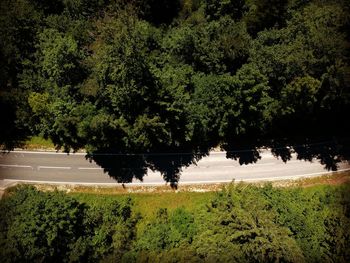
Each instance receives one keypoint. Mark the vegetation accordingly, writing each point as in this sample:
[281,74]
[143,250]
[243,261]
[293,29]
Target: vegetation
[156,84]
[145,77]
[241,223]
[37,142]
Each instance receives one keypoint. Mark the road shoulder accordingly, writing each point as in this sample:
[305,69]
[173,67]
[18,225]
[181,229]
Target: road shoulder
[328,179]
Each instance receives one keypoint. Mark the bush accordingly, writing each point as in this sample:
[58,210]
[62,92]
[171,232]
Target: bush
[242,223]
[54,227]
[39,227]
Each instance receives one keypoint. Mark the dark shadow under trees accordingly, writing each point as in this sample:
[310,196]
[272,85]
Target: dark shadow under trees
[124,168]
[145,87]
[328,151]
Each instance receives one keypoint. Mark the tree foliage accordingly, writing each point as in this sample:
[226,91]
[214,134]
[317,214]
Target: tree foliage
[150,77]
[241,223]
[53,227]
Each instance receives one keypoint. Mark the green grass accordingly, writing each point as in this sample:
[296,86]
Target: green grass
[303,220]
[38,142]
[147,204]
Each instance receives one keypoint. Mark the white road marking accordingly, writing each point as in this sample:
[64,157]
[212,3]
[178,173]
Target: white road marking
[292,176]
[184,183]
[262,154]
[260,164]
[15,165]
[48,152]
[298,161]
[90,168]
[54,167]
[230,166]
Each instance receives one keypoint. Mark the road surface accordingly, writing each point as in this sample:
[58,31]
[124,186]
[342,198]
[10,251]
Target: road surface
[51,167]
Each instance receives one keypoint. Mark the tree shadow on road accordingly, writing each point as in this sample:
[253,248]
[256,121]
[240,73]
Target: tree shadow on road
[170,164]
[124,167]
[330,152]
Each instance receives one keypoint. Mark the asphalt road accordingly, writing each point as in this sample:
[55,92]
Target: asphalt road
[51,167]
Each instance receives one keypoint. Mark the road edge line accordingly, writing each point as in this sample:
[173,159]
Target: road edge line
[182,183]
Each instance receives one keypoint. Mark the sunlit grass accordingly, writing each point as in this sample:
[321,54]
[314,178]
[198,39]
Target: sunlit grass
[38,142]
[148,203]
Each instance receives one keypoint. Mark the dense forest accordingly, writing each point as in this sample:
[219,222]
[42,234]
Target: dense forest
[127,80]
[239,224]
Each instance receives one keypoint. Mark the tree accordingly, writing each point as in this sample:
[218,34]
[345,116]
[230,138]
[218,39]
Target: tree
[137,78]
[212,47]
[158,11]
[128,91]
[299,57]
[264,14]
[241,227]
[19,22]
[312,216]
[233,8]
[167,232]
[39,226]
[109,232]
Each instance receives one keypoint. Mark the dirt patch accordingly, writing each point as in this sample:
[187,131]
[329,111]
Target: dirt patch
[333,179]
[129,189]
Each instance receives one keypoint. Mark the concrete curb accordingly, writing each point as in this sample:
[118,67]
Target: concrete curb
[12,182]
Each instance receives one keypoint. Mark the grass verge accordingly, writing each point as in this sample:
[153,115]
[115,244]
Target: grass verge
[148,199]
[38,142]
